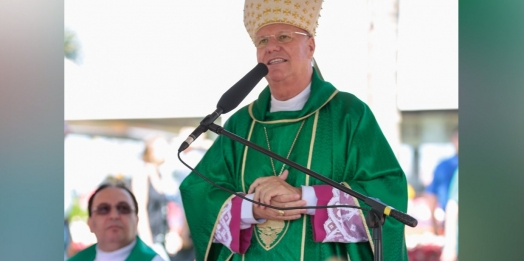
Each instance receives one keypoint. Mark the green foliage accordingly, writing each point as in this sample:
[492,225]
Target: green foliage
[77,210]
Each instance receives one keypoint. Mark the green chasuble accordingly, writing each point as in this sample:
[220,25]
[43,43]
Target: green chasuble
[339,139]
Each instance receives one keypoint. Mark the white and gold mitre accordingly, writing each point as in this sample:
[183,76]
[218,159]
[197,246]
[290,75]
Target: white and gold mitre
[300,13]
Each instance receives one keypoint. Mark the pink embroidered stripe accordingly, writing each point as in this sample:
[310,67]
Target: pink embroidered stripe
[228,230]
[343,225]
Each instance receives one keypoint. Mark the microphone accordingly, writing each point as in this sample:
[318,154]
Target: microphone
[229,100]
[234,96]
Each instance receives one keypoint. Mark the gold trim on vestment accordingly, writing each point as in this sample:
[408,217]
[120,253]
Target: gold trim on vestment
[288,154]
[302,245]
[270,231]
[277,229]
[245,157]
[313,136]
[310,155]
[363,217]
[266,226]
[250,110]
[309,160]
[215,227]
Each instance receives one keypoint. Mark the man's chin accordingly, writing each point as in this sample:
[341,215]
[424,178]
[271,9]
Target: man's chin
[117,238]
[275,76]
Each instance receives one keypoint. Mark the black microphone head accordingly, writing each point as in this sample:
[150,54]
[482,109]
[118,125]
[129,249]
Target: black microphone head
[234,96]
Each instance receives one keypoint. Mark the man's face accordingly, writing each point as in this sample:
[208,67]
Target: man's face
[113,230]
[286,61]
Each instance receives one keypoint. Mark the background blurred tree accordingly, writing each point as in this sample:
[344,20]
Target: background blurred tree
[71,46]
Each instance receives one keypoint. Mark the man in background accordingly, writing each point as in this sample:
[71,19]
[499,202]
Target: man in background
[113,218]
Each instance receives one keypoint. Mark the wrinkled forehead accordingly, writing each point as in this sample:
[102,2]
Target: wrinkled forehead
[112,196]
[278,27]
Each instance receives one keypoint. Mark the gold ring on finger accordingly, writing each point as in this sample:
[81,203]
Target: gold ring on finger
[281,212]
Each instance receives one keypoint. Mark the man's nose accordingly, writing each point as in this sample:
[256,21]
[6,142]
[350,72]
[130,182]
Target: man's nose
[114,213]
[272,44]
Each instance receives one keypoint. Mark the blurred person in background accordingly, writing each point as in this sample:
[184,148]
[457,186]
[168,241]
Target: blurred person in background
[147,187]
[181,246]
[450,250]
[436,193]
[113,218]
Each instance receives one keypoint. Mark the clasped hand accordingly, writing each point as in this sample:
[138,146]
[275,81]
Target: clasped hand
[275,191]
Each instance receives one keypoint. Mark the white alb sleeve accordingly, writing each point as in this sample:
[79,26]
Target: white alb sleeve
[246,216]
[309,195]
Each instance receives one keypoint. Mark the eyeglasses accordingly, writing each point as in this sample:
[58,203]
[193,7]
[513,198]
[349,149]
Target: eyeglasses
[281,37]
[121,208]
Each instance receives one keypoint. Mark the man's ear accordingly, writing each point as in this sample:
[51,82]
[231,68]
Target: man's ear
[312,46]
[90,224]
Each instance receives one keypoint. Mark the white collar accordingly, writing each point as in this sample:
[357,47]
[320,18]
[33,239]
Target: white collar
[117,255]
[294,104]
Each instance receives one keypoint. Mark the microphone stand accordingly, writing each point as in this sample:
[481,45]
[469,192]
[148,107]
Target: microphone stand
[375,217]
